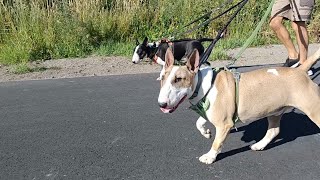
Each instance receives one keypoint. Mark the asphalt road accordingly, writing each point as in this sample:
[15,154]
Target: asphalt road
[112,128]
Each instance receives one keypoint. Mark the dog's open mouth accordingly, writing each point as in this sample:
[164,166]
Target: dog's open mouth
[172,109]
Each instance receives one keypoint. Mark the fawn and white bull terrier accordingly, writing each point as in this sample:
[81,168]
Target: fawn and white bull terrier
[261,93]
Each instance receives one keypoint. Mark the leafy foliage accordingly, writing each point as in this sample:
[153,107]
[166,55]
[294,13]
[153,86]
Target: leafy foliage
[47,29]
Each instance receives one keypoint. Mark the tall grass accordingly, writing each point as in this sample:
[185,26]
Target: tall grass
[49,29]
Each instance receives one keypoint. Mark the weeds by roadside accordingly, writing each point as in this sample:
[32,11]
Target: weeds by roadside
[24,68]
[52,29]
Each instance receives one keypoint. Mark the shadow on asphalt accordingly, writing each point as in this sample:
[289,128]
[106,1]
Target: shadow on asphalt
[316,73]
[293,125]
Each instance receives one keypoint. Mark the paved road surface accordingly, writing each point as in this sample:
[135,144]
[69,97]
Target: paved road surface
[111,128]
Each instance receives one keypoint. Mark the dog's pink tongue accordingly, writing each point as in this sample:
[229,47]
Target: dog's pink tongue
[164,110]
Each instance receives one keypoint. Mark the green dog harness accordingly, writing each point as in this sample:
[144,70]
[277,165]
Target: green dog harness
[201,107]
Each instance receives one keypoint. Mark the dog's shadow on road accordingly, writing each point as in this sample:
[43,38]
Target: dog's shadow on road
[292,126]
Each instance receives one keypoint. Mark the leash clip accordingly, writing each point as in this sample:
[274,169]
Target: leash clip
[236,75]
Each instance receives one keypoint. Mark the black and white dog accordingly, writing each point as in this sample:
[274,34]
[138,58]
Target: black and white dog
[144,49]
[182,49]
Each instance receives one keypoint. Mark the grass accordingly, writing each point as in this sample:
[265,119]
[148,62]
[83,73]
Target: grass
[51,29]
[23,68]
[112,48]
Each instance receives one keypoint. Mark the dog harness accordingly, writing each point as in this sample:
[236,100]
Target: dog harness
[236,76]
[203,105]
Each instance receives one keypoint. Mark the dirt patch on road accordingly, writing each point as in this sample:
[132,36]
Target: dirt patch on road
[79,67]
[103,66]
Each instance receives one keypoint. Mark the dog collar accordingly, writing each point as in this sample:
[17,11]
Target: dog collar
[155,58]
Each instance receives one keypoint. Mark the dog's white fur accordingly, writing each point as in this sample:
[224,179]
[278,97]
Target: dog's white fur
[135,57]
[273,71]
[262,93]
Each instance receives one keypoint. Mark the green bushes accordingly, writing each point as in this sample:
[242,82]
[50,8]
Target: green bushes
[50,29]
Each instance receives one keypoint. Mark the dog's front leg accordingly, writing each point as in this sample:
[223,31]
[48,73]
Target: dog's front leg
[161,74]
[201,127]
[221,134]
[273,131]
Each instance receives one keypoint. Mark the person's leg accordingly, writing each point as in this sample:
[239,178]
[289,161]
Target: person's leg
[302,10]
[284,36]
[281,10]
[302,39]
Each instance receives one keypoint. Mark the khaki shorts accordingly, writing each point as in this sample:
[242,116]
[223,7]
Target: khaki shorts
[294,10]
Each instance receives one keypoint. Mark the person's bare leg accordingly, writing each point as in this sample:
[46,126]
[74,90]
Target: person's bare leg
[300,29]
[284,36]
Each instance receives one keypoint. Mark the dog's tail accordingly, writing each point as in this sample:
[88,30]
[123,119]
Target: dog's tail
[310,61]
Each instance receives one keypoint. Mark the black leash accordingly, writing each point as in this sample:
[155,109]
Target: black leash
[209,20]
[201,17]
[208,51]
[201,40]
[208,13]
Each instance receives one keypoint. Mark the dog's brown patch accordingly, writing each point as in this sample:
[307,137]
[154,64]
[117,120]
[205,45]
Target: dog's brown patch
[183,78]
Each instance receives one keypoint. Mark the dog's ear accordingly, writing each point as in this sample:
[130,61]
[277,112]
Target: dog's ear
[145,41]
[137,42]
[193,61]
[169,58]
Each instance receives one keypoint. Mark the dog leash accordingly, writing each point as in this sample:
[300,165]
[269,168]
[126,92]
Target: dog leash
[208,51]
[253,35]
[204,16]
[236,74]
[208,13]
[208,21]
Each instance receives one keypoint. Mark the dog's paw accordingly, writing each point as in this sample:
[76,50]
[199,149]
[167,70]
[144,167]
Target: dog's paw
[257,146]
[207,159]
[207,134]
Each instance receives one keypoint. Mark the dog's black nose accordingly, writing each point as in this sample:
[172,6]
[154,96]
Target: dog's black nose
[163,105]
[133,62]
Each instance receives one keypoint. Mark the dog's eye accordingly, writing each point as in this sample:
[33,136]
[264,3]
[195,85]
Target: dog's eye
[177,80]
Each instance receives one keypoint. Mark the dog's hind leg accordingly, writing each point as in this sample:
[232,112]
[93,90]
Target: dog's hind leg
[222,132]
[313,112]
[273,131]
[310,102]
[201,127]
